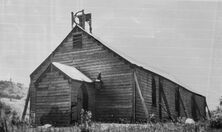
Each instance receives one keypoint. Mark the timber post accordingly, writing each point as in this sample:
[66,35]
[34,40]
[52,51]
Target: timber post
[165,101]
[181,101]
[26,103]
[133,114]
[141,96]
[208,110]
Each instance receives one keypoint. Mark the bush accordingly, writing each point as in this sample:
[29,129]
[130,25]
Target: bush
[86,121]
[9,119]
[7,109]
[216,121]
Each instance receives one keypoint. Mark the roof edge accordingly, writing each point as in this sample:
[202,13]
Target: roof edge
[53,51]
[61,68]
[135,65]
[51,64]
[102,43]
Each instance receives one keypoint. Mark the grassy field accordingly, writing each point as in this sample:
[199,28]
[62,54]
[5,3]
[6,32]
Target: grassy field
[113,127]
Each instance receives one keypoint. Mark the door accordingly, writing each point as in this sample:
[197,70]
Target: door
[79,102]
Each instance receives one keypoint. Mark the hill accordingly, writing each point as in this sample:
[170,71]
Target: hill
[13,90]
[13,95]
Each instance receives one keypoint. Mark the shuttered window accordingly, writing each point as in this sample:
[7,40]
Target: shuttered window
[77,40]
[177,101]
[193,108]
[153,92]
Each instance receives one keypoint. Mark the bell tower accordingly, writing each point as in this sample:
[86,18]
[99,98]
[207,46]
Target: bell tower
[83,19]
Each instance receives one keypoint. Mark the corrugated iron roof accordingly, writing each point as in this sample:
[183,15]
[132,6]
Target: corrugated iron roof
[72,72]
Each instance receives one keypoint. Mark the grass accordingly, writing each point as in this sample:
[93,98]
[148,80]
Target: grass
[15,104]
[6,120]
[114,127]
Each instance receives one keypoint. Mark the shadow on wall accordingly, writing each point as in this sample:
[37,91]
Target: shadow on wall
[55,117]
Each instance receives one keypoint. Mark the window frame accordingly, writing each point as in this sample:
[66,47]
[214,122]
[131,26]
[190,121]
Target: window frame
[77,40]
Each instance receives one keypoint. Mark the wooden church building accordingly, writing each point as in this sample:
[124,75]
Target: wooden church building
[84,73]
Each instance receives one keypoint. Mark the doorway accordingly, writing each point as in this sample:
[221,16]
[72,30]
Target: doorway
[80,103]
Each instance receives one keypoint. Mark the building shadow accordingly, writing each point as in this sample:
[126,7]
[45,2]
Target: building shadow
[55,117]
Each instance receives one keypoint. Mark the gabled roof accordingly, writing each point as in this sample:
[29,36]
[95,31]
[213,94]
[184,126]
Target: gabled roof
[135,62]
[132,61]
[143,66]
[72,72]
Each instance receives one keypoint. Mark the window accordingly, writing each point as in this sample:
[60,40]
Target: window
[177,101]
[153,92]
[193,108]
[77,40]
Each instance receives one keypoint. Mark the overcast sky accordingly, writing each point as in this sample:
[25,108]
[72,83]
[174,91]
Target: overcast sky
[181,37]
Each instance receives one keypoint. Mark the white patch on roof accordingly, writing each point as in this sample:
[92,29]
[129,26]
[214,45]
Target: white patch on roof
[133,61]
[72,72]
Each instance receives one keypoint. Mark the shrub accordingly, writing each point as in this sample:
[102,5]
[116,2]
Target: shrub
[7,109]
[216,121]
[86,121]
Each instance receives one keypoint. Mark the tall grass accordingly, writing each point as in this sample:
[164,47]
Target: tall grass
[9,122]
[112,127]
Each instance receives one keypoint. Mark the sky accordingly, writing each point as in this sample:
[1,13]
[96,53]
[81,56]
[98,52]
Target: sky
[180,37]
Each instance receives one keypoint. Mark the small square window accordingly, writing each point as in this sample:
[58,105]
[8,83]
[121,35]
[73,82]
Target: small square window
[77,40]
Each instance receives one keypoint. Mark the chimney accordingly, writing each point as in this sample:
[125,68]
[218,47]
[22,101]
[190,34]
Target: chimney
[83,18]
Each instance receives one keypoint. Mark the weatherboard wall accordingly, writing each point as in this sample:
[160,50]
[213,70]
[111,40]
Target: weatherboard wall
[169,88]
[117,99]
[145,83]
[53,98]
[169,91]
[201,104]
[114,100]
[186,97]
